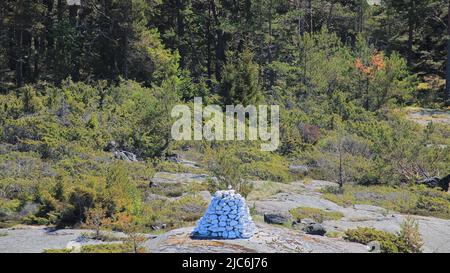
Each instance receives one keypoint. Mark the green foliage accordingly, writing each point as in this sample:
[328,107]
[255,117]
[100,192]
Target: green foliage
[339,70]
[134,239]
[240,80]
[96,219]
[34,220]
[121,193]
[262,165]
[409,237]
[186,209]
[228,169]
[235,165]
[387,241]
[31,102]
[152,62]
[8,207]
[408,240]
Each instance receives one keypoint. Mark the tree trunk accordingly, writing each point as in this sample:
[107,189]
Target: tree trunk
[75,54]
[411,23]
[360,17]
[220,45]
[209,40]
[366,103]
[37,48]
[301,18]
[269,50]
[180,32]
[330,15]
[311,22]
[341,168]
[60,10]
[447,87]
[19,61]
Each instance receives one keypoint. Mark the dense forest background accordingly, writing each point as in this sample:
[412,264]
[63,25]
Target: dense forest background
[77,81]
[107,40]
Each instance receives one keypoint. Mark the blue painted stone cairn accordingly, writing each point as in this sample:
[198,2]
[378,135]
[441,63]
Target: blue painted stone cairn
[227,217]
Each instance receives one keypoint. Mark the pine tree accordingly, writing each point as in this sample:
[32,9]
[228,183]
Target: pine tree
[240,83]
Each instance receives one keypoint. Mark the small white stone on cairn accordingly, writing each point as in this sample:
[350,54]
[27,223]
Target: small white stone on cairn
[227,217]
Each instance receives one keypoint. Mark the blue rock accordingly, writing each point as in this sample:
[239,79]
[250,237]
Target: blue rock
[227,217]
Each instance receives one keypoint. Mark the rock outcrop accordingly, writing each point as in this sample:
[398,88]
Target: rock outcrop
[227,217]
[277,219]
[126,156]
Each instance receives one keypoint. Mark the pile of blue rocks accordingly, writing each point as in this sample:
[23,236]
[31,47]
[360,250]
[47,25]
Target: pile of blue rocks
[227,217]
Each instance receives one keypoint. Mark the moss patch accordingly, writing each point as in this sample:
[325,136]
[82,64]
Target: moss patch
[100,248]
[316,214]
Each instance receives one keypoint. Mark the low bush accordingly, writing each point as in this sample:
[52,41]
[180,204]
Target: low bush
[34,220]
[387,241]
[408,240]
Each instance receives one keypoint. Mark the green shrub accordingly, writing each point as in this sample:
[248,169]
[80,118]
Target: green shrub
[262,165]
[436,206]
[387,241]
[273,170]
[34,220]
[8,207]
[229,170]
[408,240]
